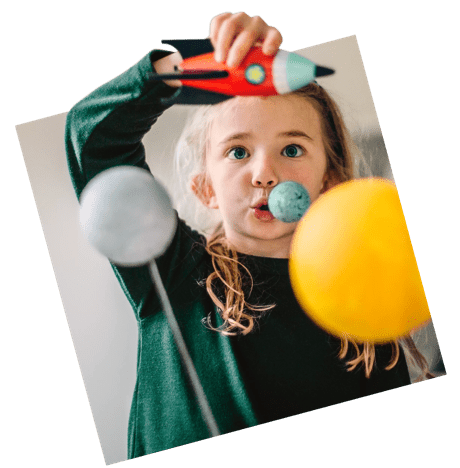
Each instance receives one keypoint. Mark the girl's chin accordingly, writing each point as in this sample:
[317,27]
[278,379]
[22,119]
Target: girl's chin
[272,231]
[254,231]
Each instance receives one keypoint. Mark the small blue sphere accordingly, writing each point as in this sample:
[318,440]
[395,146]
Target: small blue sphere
[289,201]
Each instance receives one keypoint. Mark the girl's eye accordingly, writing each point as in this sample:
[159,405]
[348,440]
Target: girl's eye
[237,153]
[293,151]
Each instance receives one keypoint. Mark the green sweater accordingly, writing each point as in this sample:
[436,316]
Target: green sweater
[286,366]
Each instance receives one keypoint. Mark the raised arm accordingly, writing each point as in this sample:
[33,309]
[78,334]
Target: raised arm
[106,128]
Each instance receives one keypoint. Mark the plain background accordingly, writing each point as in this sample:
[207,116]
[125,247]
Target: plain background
[46,415]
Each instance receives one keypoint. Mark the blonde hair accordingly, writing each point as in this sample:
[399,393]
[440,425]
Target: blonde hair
[344,162]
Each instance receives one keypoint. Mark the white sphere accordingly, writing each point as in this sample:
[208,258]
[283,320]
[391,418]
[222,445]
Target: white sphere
[127,215]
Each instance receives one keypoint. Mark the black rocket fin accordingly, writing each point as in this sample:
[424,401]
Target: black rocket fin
[191,47]
[195,96]
[191,75]
[323,71]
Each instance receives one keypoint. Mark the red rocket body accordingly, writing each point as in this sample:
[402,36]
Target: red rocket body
[236,83]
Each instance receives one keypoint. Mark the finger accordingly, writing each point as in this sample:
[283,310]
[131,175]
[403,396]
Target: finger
[272,42]
[241,46]
[229,29]
[166,65]
[255,31]
[215,26]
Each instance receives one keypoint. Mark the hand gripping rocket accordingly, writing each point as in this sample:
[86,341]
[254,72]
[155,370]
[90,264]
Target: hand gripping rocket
[205,81]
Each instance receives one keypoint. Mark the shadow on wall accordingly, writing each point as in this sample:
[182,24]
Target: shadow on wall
[372,147]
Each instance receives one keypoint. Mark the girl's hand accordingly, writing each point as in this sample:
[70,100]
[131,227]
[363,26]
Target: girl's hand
[166,65]
[232,35]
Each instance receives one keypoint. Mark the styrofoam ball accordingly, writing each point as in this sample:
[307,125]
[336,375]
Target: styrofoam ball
[127,215]
[289,201]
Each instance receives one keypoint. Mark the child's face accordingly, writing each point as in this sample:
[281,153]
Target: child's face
[254,145]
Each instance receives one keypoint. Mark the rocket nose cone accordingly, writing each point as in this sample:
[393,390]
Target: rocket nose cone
[299,71]
[292,71]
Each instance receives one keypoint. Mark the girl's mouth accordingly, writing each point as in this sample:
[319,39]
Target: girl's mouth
[262,213]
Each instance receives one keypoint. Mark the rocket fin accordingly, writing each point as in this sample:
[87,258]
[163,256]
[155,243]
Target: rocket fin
[323,71]
[191,75]
[191,47]
[195,96]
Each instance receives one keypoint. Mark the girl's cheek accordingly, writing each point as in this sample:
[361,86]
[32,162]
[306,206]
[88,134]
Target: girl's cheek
[314,189]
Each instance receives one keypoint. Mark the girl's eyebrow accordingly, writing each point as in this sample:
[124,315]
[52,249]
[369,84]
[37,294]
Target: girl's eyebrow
[235,136]
[295,133]
[244,135]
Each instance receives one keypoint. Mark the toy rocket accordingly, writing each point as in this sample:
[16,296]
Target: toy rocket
[205,81]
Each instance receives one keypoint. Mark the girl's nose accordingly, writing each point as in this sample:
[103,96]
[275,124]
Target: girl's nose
[263,174]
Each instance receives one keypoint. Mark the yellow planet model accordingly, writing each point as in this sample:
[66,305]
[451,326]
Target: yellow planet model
[352,266]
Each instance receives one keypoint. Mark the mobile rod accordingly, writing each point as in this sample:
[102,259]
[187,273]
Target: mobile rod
[183,351]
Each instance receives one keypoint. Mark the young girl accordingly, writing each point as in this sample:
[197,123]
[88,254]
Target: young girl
[258,355]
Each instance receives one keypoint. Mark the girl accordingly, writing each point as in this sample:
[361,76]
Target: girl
[258,356]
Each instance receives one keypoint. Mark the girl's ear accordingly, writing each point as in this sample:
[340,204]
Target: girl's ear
[202,188]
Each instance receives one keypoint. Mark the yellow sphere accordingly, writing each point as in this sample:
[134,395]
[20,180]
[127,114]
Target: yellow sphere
[352,266]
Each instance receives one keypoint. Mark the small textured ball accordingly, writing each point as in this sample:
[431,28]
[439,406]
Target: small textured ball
[289,201]
[127,215]
[352,266]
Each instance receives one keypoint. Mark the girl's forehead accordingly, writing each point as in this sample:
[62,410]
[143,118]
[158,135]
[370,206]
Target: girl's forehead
[274,113]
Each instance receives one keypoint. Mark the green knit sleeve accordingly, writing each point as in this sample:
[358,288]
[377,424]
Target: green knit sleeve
[105,130]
